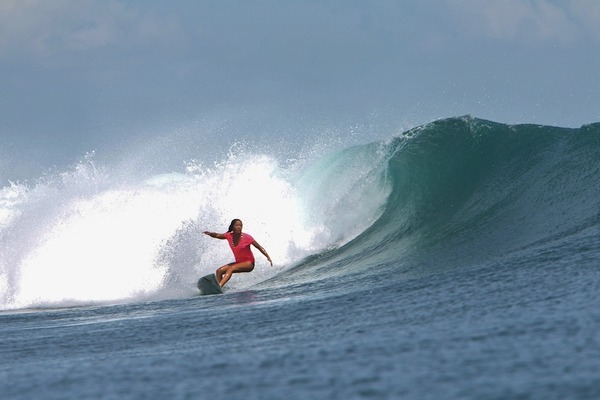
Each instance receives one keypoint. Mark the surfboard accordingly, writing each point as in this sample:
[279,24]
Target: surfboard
[208,285]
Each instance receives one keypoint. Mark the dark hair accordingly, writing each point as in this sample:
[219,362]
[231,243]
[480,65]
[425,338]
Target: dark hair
[233,221]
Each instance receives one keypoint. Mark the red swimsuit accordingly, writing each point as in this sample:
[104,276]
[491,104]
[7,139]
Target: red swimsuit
[242,251]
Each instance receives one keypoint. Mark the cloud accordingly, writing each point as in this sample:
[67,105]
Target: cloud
[588,13]
[45,28]
[532,21]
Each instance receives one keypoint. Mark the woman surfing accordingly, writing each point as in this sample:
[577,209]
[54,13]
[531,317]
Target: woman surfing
[240,245]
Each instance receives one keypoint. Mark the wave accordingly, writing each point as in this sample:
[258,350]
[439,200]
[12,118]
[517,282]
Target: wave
[467,192]
[455,192]
[494,187]
[92,235]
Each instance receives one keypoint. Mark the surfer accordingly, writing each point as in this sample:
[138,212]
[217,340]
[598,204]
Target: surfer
[240,245]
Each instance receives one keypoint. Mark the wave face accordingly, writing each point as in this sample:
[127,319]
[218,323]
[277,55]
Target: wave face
[468,184]
[467,192]
[454,193]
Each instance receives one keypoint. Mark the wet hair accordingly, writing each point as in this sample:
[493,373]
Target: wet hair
[233,221]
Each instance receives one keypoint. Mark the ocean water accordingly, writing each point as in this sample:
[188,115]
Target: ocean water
[457,260]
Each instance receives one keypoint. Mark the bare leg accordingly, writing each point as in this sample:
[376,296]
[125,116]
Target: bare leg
[224,273]
[220,272]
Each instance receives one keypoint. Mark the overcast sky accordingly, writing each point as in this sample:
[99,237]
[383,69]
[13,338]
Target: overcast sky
[87,69]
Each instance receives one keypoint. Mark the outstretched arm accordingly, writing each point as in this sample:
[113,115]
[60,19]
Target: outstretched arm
[262,250]
[214,235]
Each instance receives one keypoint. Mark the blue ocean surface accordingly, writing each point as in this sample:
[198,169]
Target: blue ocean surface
[457,260]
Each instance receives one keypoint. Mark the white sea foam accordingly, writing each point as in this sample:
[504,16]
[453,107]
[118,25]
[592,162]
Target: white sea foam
[85,236]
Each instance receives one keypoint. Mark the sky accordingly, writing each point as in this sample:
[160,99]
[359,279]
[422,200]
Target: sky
[76,74]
